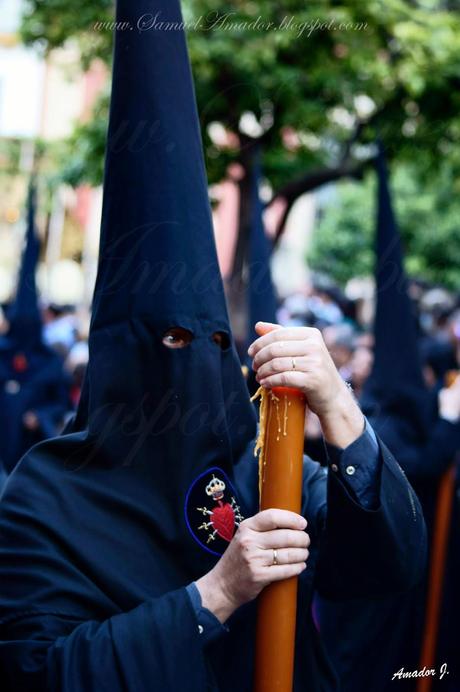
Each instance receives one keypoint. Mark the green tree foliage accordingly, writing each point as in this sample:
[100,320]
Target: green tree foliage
[303,85]
[308,71]
[48,24]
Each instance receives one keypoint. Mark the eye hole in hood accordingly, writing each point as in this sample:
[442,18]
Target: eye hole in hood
[222,339]
[177,337]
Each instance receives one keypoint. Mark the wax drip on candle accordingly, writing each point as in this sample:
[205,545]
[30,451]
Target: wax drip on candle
[259,448]
[278,418]
[285,420]
[265,412]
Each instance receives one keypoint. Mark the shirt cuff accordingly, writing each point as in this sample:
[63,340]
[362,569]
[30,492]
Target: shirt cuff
[209,627]
[359,467]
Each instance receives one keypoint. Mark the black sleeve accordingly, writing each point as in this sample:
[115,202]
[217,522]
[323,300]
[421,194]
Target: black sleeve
[132,651]
[370,552]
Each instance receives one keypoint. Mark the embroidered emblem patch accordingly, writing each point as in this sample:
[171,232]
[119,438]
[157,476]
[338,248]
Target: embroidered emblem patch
[211,511]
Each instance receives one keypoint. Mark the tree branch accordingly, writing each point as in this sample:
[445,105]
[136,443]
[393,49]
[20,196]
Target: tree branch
[313,180]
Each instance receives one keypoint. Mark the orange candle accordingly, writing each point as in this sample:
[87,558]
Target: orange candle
[438,558]
[437,573]
[281,443]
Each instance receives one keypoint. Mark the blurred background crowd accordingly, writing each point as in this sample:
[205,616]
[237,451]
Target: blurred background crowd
[344,316]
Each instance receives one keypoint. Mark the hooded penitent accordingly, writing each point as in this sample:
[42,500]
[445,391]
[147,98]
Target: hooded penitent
[31,374]
[162,416]
[395,386]
[127,495]
[156,425]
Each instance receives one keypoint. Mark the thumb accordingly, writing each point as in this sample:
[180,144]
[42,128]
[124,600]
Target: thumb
[266,327]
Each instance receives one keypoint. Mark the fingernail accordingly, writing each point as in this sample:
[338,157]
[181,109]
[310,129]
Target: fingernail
[250,351]
[303,523]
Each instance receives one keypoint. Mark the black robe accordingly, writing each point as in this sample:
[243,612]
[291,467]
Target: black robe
[369,640]
[80,606]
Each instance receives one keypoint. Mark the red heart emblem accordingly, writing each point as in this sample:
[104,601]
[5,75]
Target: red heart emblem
[223,521]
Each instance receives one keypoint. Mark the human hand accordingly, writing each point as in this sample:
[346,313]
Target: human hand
[249,564]
[297,357]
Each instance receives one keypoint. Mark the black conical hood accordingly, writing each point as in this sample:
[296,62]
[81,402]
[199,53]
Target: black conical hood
[261,292]
[171,414]
[157,246]
[24,314]
[396,379]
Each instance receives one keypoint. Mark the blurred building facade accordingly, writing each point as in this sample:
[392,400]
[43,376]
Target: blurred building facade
[41,99]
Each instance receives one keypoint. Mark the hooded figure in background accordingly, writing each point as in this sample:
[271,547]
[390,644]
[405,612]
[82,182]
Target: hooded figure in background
[34,395]
[104,529]
[260,291]
[370,641]
[395,396]
[398,402]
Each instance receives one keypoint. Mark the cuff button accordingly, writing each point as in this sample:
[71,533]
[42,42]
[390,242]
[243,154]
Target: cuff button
[350,470]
